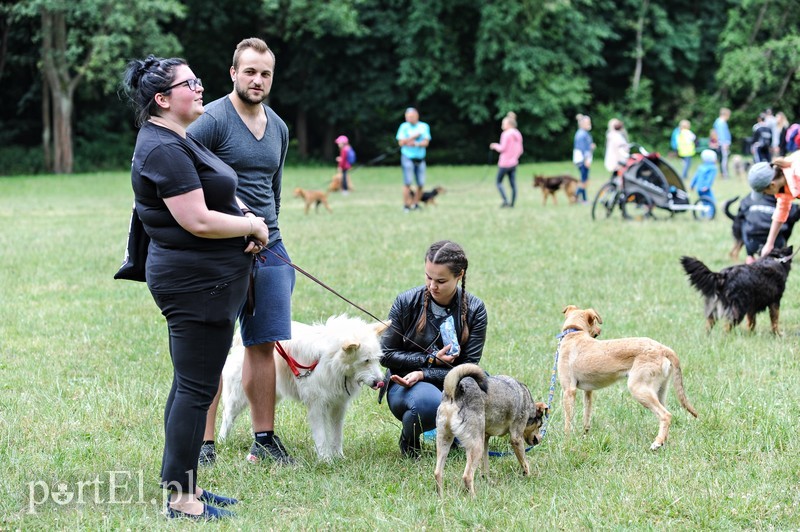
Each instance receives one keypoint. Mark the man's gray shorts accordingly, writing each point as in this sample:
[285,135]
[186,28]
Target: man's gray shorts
[273,286]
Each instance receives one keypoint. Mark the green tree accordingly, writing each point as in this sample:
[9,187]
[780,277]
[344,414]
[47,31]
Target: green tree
[89,40]
[312,40]
[760,56]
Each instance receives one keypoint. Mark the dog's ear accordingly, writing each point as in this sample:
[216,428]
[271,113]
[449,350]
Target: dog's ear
[568,309]
[350,345]
[593,316]
[540,413]
[381,327]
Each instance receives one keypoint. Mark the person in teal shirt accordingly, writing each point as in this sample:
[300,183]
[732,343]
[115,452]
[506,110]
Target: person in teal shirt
[413,138]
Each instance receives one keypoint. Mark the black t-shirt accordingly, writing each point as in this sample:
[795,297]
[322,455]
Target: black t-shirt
[166,165]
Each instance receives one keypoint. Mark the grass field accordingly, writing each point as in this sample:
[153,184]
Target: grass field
[85,368]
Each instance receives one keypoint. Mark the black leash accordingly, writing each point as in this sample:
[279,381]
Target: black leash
[359,307]
[372,161]
[487,173]
[553,377]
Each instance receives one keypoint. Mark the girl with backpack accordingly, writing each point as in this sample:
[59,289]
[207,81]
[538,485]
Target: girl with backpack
[345,160]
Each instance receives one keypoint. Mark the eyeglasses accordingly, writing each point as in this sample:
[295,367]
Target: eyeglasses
[193,84]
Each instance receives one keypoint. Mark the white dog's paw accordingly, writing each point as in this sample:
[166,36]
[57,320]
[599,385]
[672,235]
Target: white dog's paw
[329,457]
[656,446]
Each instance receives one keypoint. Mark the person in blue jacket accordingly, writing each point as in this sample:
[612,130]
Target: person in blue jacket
[705,175]
[582,148]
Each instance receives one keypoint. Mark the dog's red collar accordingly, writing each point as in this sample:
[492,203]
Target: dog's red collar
[294,364]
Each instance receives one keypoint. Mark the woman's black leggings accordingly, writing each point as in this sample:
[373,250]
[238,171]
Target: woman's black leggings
[200,327]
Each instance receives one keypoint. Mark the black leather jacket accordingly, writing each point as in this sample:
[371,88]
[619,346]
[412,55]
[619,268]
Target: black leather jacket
[401,356]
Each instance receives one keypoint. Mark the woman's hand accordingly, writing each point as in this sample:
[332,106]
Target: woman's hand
[409,380]
[443,357]
[259,237]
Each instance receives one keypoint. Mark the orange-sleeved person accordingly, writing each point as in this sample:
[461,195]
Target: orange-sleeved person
[781,179]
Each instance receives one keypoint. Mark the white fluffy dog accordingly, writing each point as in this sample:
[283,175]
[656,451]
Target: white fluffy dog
[348,353]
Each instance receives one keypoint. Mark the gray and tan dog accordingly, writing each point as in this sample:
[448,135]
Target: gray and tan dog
[474,407]
[589,364]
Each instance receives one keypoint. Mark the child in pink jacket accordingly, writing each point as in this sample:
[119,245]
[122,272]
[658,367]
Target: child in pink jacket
[343,160]
[510,149]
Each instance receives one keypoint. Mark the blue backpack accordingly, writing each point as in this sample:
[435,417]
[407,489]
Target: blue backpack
[351,156]
[792,138]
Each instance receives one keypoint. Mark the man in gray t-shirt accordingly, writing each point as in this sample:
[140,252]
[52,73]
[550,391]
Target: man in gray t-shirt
[246,134]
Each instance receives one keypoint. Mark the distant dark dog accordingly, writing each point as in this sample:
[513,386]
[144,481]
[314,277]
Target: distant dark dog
[474,407]
[551,185]
[743,290]
[429,196]
[312,197]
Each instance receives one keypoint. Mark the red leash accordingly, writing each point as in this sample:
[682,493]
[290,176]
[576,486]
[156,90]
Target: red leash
[294,364]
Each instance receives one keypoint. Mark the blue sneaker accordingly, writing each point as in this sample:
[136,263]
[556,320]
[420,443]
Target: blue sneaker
[429,435]
[216,500]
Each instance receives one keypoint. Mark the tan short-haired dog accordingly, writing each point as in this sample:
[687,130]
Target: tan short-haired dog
[589,364]
[336,183]
[312,197]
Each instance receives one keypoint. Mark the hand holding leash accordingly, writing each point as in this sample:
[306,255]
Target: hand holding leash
[443,357]
[259,234]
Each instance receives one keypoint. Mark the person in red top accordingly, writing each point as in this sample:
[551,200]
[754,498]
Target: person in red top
[343,160]
[782,180]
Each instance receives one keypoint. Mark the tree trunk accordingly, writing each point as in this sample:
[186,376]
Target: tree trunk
[637,72]
[328,144]
[62,131]
[301,132]
[759,21]
[47,124]
[5,29]
[62,88]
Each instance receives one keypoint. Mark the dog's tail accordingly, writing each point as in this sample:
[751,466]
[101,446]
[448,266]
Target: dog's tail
[461,372]
[727,208]
[700,276]
[677,381]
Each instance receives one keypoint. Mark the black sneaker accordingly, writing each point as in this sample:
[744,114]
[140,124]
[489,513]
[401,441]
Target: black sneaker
[273,451]
[410,449]
[208,454]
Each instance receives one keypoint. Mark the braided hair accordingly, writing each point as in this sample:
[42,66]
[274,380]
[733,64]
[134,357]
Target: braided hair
[144,78]
[450,254]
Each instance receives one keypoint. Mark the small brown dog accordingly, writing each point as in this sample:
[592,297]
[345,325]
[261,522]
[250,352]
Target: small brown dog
[312,197]
[551,185]
[476,406]
[589,364]
[336,183]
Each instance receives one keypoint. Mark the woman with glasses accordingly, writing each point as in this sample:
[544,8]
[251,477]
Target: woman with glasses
[197,265]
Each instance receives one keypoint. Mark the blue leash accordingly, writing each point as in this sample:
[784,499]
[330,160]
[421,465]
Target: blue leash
[553,375]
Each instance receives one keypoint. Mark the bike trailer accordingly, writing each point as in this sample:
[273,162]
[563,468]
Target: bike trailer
[651,174]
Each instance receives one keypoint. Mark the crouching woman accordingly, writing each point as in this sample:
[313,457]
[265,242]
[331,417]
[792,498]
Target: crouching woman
[435,327]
